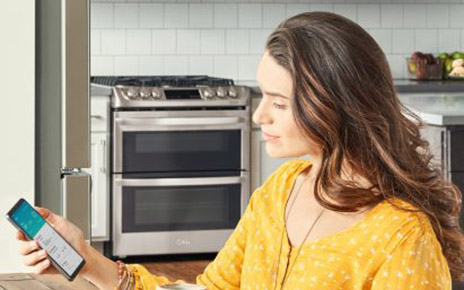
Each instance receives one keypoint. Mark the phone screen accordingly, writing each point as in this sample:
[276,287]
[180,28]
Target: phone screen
[63,254]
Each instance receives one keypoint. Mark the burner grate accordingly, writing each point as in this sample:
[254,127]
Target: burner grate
[161,81]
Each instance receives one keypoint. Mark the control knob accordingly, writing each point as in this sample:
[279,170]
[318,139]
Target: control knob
[221,92]
[233,92]
[145,93]
[208,93]
[156,93]
[132,93]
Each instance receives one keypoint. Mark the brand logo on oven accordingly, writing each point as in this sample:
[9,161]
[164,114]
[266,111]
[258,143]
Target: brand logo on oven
[182,242]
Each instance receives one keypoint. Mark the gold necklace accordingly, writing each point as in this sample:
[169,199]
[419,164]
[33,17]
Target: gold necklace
[300,246]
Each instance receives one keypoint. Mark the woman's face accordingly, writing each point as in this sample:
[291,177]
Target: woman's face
[274,113]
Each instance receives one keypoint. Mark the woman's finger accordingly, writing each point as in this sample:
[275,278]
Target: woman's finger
[42,266]
[28,247]
[35,257]
[20,236]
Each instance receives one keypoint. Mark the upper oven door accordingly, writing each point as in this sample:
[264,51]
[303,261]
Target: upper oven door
[155,144]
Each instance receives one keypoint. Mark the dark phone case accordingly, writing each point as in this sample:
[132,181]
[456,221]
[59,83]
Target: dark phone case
[54,263]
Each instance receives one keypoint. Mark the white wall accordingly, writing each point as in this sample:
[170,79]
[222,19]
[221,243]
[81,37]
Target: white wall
[224,38]
[16,119]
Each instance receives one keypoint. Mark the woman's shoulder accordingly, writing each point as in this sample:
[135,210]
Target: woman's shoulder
[398,221]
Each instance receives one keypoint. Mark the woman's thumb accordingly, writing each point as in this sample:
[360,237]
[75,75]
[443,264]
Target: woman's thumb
[47,214]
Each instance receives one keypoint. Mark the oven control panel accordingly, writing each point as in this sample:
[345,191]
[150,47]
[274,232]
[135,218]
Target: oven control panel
[135,96]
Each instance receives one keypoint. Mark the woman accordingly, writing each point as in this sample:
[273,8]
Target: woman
[368,211]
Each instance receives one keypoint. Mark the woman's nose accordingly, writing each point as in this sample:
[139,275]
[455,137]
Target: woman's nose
[261,116]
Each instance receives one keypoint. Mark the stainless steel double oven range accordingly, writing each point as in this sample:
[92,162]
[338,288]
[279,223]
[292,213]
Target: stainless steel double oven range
[180,178]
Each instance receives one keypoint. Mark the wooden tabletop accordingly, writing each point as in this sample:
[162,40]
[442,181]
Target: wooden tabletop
[23,281]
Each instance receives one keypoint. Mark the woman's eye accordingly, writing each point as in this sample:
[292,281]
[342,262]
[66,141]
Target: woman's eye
[278,106]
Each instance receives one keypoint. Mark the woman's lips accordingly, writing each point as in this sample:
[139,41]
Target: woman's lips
[268,137]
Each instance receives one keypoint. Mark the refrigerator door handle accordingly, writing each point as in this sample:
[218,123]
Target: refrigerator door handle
[76,201]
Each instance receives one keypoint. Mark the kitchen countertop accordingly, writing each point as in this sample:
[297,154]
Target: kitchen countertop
[436,109]
[19,281]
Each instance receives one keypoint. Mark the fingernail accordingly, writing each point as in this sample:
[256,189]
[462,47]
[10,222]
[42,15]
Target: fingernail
[43,253]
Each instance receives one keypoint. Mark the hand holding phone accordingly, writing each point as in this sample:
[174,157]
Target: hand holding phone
[46,229]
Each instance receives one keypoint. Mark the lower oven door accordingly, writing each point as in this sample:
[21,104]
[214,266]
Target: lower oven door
[176,215]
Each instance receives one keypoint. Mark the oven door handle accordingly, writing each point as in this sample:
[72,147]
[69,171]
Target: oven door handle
[119,181]
[184,122]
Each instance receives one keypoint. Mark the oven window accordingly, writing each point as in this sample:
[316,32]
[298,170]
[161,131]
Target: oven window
[182,151]
[180,208]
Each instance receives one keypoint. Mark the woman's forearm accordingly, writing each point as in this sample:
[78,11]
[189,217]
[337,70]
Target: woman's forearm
[100,270]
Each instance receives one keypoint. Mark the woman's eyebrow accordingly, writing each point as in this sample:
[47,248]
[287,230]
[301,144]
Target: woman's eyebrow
[276,94]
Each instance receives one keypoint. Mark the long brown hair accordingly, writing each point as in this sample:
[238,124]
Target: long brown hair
[345,102]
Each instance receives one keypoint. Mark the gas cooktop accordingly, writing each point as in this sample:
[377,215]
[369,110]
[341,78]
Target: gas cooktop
[161,81]
[173,91]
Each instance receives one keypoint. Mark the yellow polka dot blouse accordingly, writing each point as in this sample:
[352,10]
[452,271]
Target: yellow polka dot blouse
[387,249]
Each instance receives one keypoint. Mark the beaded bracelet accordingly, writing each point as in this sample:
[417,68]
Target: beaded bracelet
[125,277]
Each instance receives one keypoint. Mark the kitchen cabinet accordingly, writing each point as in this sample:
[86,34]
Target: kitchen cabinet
[447,148]
[100,203]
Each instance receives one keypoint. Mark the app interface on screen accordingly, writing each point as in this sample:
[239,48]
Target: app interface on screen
[36,227]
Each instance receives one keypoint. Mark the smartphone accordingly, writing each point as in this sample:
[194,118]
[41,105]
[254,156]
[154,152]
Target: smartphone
[62,255]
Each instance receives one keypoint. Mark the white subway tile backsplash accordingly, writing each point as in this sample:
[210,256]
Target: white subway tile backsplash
[138,42]
[462,39]
[426,40]
[226,15]
[438,16]
[237,41]
[457,16]
[188,41]
[414,16]
[250,15]
[95,42]
[163,41]
[102,15]
[151,65]
[201,65]
[176,15]
[403,41]
[126,65]
[391,16]
[258,39]
[213,41]
[273,14]
[113,42]
[449,40]
[397,65]
[369,15]
[383,37]
[201,15]
[151,15]
[321,7]
[225,38]
[225,66]
[176,65]
[294,9]
[101,66]
[126,15]
[348,10]
[247,66]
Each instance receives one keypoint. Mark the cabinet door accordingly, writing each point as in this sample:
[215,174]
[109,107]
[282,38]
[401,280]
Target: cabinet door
[100,188]
[262,165]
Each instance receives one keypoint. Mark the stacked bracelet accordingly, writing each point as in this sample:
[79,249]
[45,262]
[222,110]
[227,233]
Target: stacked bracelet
[125,277]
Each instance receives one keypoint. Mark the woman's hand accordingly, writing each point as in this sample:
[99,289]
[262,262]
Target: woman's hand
[36,257]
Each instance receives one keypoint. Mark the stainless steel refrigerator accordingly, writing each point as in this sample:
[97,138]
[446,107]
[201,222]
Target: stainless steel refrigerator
[62,109]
